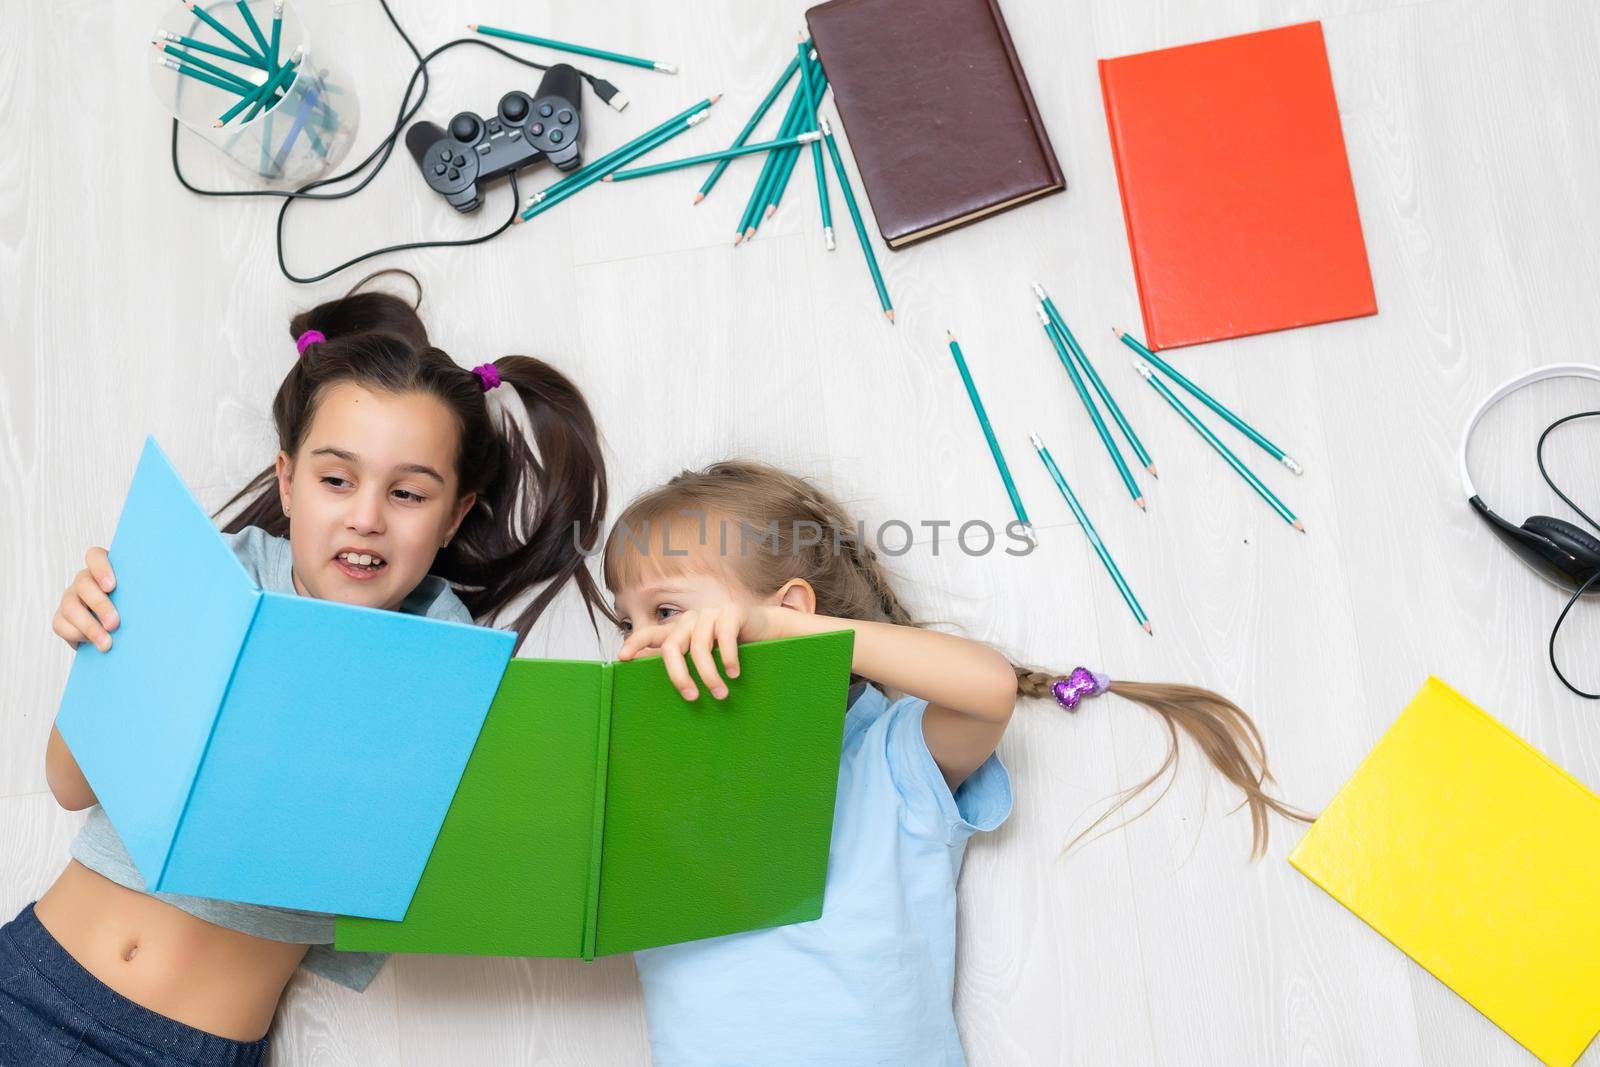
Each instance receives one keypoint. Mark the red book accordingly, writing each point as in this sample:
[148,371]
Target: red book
[1235,187]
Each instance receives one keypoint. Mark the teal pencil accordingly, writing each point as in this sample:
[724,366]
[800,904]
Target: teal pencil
[1205,398]
[210,49]
[749,127]
[988,435]
[758,200]
[615,153]
[816,151]
[576,49]
[639,147]
[195,61]
[1088,405]
[855,217]
[234,39]
[1094,537]
[251,24]
[265,99]
[1222,450]
[1095,380]
[277,35]
[709,157]
[201,76]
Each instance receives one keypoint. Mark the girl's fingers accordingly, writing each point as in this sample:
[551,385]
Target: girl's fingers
[677,668]
[94,598]
[700,648]
[98,561]
[728,642]
[78,616]
[65,631]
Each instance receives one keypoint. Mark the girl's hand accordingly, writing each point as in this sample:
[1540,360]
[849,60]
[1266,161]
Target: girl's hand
[86,613]
[693,634]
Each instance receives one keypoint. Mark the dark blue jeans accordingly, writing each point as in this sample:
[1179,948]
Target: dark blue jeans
[53,1012]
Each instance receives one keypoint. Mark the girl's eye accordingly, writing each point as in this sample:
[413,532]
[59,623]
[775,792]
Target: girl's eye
[626,627]
[406,494]
[663,613]
[331,479]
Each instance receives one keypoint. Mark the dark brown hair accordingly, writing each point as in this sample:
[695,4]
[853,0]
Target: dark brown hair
[539,506]
[776,507]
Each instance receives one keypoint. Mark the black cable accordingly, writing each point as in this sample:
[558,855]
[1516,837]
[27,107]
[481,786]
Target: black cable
[602,88]
[1538,453]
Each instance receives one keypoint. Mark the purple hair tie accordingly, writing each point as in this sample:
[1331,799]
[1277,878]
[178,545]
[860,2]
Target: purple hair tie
[1082,682]
[307,339]
[488,375]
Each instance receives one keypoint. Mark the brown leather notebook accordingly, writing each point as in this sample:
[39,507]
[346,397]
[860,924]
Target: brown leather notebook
[939,114]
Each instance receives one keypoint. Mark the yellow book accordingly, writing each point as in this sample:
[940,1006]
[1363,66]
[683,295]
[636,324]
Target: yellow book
[1478,858]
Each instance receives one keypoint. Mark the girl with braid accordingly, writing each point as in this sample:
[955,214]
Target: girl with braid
[759,554]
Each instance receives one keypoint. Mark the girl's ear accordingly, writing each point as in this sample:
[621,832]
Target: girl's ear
[463,506]
[285,469]
[797,594]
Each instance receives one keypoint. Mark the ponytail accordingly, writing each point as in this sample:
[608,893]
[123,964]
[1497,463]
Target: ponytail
[1220,728]
[540,514]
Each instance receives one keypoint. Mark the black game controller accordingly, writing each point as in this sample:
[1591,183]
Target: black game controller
[459,162]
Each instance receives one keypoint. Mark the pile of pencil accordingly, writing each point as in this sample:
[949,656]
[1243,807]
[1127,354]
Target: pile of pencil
[254,73]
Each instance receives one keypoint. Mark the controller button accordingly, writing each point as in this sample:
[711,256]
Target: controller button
[556,136]
[461,161]
[439,168]
[545,110]
[493,126]
[565,116]
[445,154]
[484,148]
[514,107]
[514,134]
[464,127]
[454,174]
[536,129]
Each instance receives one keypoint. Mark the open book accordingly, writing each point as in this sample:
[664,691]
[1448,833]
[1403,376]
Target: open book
[265,748]
[602,813]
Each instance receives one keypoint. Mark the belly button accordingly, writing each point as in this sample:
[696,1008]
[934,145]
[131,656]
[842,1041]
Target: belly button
[130,952]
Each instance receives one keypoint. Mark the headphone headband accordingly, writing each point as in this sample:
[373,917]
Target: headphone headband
[1511,385]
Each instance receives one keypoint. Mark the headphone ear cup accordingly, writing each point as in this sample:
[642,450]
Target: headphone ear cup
[1569,537]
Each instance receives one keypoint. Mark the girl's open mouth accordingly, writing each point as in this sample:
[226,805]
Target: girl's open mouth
[360,566]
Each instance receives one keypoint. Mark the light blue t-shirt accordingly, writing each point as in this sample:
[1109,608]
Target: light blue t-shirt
[270,562]
[872,981]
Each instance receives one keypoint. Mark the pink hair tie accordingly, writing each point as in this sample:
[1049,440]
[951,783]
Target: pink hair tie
[307,339]
[1082,682]
[488,375]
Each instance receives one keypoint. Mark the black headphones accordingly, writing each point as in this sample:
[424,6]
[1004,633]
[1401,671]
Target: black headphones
[1562,551]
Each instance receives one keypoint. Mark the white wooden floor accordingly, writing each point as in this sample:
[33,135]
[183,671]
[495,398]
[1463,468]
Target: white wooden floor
[129,307]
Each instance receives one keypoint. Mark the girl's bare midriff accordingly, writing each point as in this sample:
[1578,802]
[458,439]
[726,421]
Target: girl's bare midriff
[164,959]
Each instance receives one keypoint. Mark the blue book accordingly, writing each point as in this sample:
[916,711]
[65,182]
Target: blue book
[264,748]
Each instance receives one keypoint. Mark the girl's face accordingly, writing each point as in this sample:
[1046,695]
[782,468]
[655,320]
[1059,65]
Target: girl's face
[371,495]
[658,597]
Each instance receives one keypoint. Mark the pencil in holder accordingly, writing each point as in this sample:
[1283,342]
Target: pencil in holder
[298,132]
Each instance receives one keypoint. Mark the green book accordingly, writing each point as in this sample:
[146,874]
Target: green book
[600,812]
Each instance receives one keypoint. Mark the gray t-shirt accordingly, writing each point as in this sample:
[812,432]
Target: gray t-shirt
[97,846]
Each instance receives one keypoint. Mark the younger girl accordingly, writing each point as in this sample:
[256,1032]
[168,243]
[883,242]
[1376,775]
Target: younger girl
[397,486]
[757,554]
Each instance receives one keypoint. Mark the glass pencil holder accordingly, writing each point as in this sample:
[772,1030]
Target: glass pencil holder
[253,86]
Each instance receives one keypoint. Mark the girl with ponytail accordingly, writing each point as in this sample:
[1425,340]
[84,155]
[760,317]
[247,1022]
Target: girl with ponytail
[757,554]
[403,483]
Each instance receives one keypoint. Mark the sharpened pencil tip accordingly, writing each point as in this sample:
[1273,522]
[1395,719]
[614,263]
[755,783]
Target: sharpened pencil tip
[738,237]
[605,178]
[1298,525]
[890,313]
[714,99]
[771,210]
[1152,469]
[473,26]
[699,197]
[1148,630]
[949,337]
[751,232]
[1117,332]
[1140,502]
